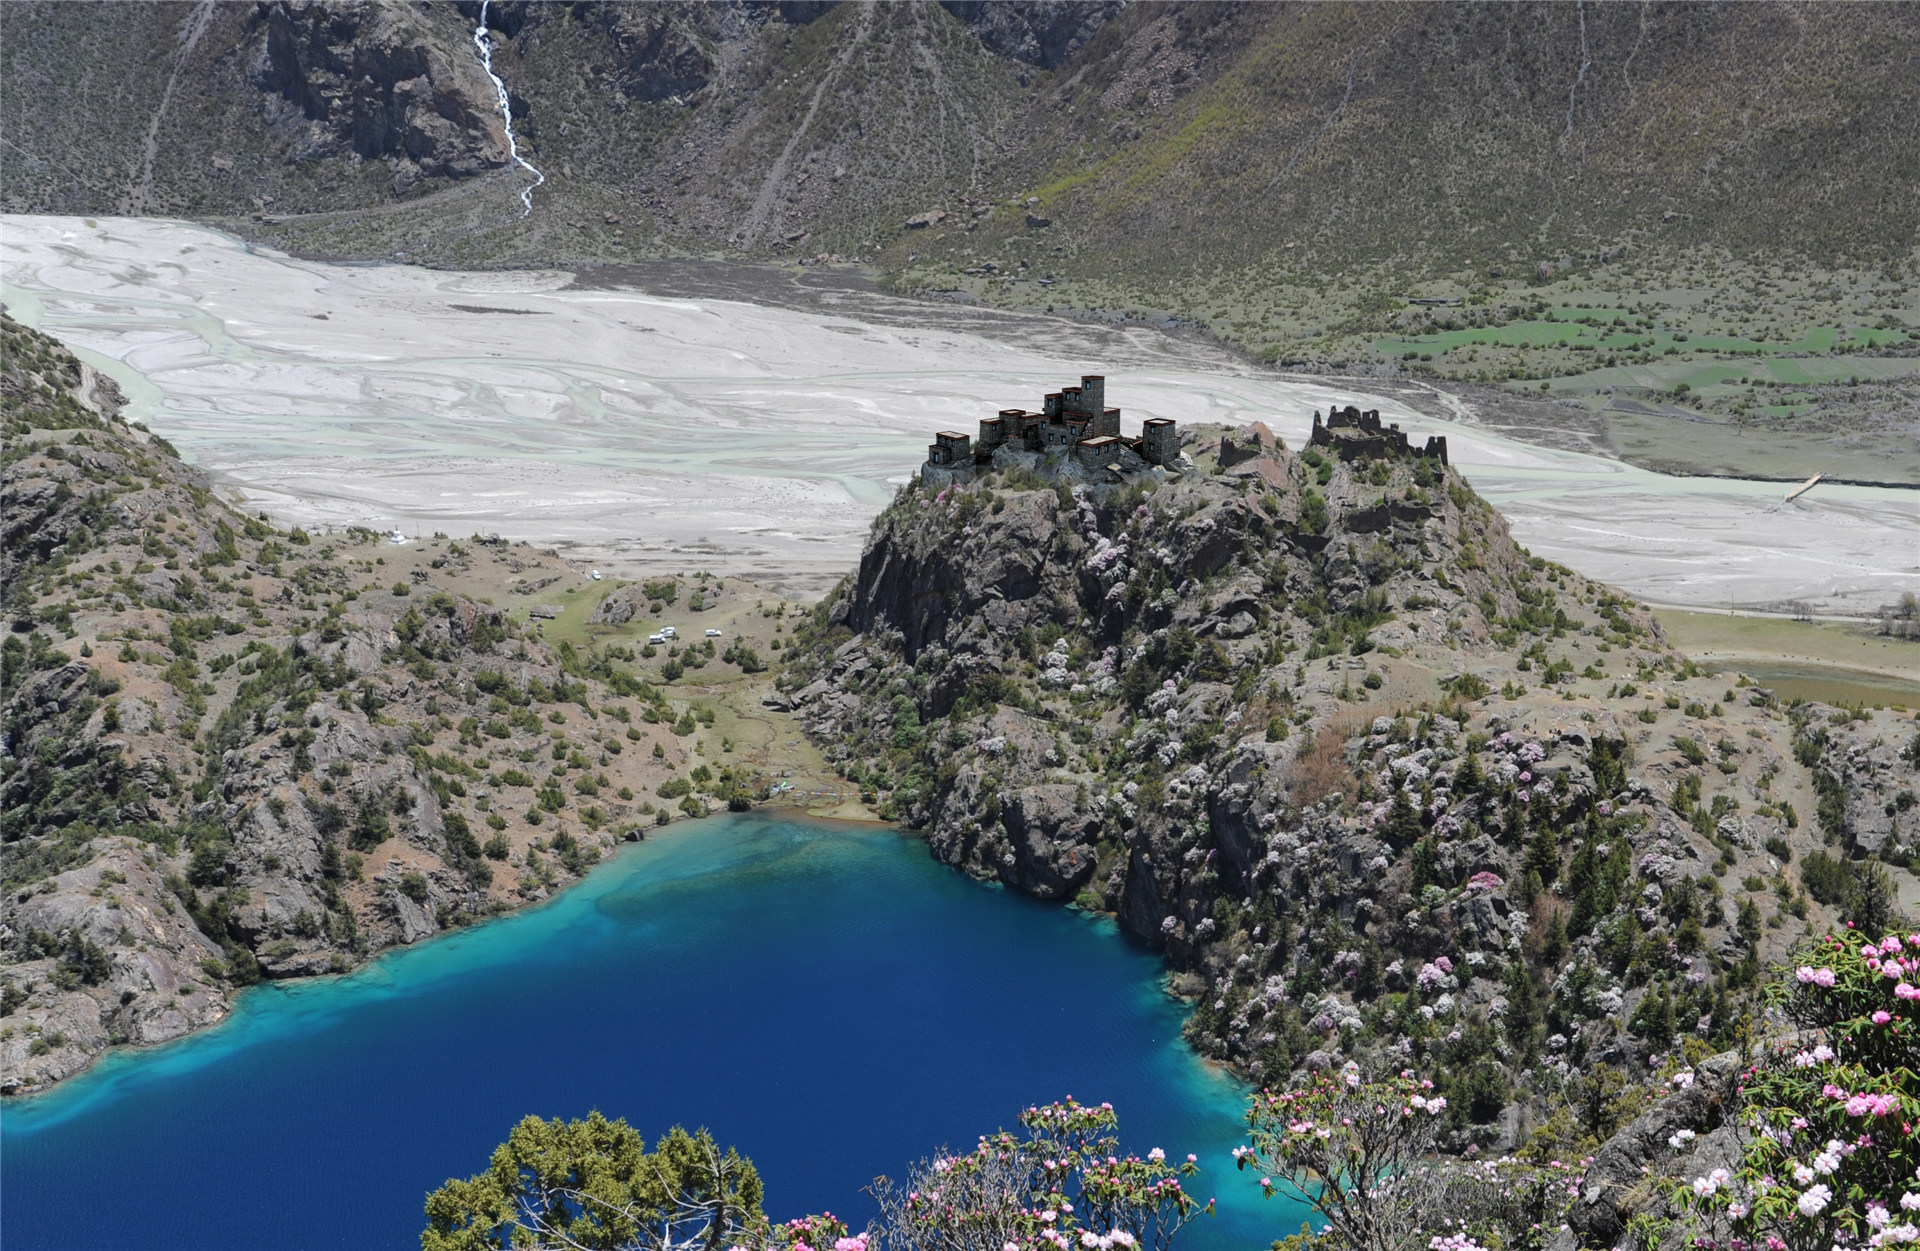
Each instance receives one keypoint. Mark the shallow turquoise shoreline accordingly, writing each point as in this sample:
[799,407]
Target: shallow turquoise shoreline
[826,996]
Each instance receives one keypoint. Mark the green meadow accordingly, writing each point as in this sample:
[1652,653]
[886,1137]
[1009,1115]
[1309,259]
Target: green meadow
[1610,348]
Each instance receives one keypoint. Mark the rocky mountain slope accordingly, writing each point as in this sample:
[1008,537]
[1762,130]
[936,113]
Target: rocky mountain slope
[1378,782]
[1160,141]
[1657,213]
[234,752]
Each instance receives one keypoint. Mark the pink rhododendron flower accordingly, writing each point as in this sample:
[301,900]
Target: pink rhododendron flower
[1711,1183]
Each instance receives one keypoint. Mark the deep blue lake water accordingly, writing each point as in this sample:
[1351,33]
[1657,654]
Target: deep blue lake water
[827,998]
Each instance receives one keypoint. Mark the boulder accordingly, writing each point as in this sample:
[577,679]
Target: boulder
[1616,1187]
[618,608]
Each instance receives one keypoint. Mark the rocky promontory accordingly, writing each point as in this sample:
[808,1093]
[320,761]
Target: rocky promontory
[1377,781]
[234,752]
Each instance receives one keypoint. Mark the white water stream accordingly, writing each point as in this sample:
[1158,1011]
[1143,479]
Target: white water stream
[649,433]
[483,40]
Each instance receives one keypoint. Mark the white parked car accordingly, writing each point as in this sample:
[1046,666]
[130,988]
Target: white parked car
[595,575]
[668,632]
[656,639]
[713,634]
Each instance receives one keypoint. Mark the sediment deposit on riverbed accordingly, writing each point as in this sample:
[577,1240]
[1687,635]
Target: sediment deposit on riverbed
[655,433]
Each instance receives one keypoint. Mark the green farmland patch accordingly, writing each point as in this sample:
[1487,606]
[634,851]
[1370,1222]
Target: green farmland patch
[1608,336]
[1513,334]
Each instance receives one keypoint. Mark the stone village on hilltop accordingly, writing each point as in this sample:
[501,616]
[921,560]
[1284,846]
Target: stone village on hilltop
[1076,437]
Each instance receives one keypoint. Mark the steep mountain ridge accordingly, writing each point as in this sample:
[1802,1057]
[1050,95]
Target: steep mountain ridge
[1159,141]
[1377,782]
[211,107]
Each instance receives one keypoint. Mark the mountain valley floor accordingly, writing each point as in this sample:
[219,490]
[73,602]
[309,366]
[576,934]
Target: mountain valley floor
[756,440]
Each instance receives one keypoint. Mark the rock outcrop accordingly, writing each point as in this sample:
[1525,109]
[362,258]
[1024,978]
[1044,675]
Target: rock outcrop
[1871,794]
[376,82]
[1043,33]
[1377,781]
[221,760]
[1635,1171]
[133,964]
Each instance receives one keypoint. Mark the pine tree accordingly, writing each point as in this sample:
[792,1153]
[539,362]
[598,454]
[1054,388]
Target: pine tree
[1403,821]
[1553,944]
[1467,779]
[1543,855]
[1426,869]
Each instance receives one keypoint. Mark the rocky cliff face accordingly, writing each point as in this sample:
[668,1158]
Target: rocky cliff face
[1158,138]
[1870,803]
[375,83]
[231,752]
[1378,782]
[1043,33]
[282,106]
[1638,1168]
[299,105]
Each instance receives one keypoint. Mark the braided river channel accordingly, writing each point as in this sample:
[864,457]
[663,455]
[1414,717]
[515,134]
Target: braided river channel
[716,417]
[826,997]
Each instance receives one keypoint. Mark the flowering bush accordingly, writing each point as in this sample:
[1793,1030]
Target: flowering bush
[1831,1123]
[825,1232]
[1362,1155]
[593,1186]
[1064,1185]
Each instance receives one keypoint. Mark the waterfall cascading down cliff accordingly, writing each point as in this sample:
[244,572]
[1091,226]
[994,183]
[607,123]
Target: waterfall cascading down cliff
[483,41]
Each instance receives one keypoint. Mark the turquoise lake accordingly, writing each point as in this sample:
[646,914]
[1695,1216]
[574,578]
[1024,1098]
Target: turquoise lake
[827,998]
